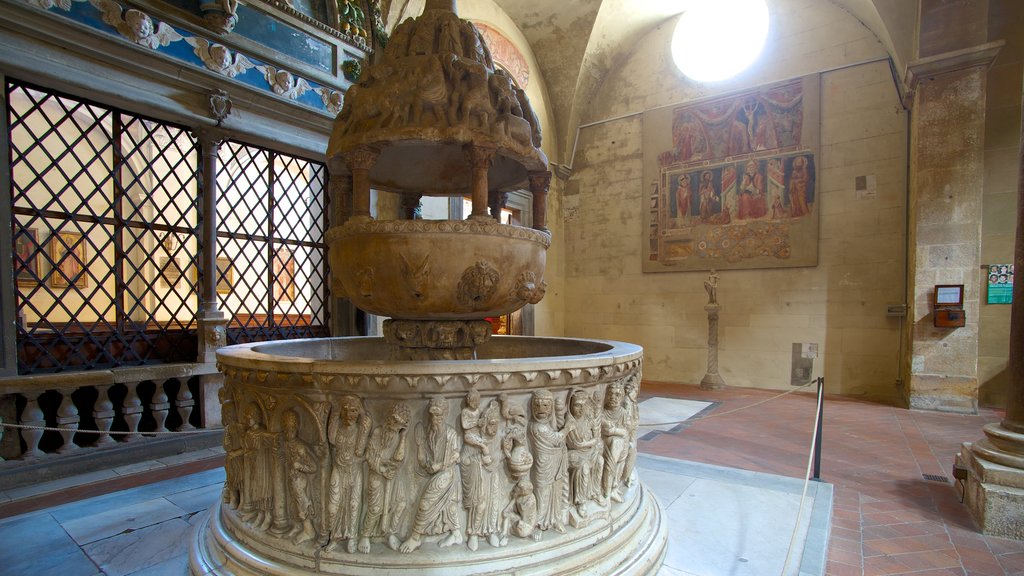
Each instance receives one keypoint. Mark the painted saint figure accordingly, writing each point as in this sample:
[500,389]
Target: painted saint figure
[799,180]
[480,464]
[683,195]
[300,463]
[550,470]
[385,500]
[348,432]
[708,195]
[437,452]
[752,200]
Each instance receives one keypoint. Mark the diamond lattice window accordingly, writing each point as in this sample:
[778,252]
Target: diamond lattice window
[105,209]
[271,259]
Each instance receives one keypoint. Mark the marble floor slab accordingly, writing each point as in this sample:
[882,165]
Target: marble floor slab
[668,414]
[721,522]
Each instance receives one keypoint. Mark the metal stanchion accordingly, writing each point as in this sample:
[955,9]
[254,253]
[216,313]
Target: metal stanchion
[817,430]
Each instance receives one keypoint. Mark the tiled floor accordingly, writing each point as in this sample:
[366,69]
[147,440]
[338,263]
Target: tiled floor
[887,518]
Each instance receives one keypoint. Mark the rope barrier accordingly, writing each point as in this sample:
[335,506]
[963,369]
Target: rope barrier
[111,433]
[733,411]
[807,478]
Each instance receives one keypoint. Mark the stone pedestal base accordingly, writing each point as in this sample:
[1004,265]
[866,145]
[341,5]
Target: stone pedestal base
[993,492]
[712,382]
[631,542]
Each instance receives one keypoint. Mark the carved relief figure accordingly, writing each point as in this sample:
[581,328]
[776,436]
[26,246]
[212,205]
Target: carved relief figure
[632,408]
[300,464]
[583,451]
[520,515]
[136,26]
[233,452]
[257,501]
[615,435]
[218,58]
[480,464]
[437,452]
[470,96]
[385,500]
[284,83]
[550,471]
[348,432]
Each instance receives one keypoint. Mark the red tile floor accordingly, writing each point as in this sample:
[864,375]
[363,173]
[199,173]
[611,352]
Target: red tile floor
[887,518]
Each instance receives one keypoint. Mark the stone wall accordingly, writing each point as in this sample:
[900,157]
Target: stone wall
[1002,129]
[840,304]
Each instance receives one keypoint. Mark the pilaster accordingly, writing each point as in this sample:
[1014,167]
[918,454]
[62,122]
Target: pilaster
[947,94]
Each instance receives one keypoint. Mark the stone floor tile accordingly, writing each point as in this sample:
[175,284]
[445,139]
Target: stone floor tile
[117,520]
[130,552]
[196,499]
[36,545]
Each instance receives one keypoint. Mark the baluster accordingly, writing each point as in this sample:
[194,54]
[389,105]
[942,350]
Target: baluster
[67,421]
[32,415]
[132,410]
[103,413]
[185,403]
[159,406]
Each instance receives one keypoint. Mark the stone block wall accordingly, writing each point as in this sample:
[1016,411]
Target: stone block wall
[840,304]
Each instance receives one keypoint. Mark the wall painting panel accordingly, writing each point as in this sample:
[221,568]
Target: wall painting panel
[732,182]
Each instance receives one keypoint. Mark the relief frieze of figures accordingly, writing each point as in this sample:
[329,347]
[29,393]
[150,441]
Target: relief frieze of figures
[350,474]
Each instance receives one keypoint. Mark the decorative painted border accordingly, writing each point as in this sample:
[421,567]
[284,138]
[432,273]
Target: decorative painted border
[137,27]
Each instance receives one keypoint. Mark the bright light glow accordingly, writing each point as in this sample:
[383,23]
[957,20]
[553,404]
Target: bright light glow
[717,39]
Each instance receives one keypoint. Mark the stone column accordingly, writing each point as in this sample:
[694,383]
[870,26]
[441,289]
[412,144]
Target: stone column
[712,380]
[539,184]
[360,161]
[211,320]
[992,469]
[480,162]
[947,168]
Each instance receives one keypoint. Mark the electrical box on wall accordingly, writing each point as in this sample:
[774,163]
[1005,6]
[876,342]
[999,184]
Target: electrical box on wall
[948,310]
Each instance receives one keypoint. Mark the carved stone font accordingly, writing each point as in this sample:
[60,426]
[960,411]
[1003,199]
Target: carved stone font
[436,448]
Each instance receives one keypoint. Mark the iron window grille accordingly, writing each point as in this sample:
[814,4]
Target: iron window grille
[271,258]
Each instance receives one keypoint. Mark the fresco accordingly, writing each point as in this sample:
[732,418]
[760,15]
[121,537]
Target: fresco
[732,183]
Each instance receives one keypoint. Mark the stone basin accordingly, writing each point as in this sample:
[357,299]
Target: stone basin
[438,269]
[289,396]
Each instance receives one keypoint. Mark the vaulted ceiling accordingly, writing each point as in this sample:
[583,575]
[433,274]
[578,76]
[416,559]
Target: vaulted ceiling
[577,42]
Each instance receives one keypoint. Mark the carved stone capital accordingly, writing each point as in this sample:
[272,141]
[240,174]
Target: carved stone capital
[479,157]
[361,158]
[540,182]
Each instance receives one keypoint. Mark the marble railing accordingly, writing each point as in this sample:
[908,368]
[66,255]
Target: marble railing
[73,411]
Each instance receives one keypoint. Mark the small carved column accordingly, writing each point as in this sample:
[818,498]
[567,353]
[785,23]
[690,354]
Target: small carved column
[539,184]
[184,402]
[67,421]
[360,161]
[410,202]
[103,414]
[712,380]
[132,411]
[340,187]
[497,201]
[32,415]
[480,162]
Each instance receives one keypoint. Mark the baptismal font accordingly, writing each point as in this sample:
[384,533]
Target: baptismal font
[437,448]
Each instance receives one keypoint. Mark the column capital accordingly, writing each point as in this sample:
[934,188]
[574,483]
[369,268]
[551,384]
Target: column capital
[923,69]
[540,181]
[479,156]
[361,158]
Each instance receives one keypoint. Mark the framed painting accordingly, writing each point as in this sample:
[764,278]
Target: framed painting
[225,275]
[26,260]
[284,274]
[68,254]
[170,271]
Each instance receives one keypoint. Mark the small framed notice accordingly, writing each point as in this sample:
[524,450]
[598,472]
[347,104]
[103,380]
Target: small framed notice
[1000,284]
[949,295]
